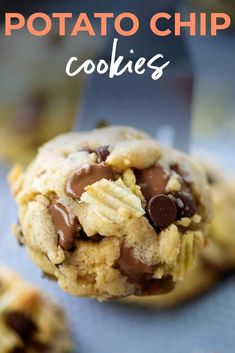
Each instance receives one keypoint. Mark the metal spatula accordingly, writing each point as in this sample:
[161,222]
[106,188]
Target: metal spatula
[161,108]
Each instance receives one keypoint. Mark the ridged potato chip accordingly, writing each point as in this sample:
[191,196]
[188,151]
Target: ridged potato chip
[187,255]
[113,200]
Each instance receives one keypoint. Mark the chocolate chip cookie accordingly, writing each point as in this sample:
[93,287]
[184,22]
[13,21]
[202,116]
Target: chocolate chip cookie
[112,213]
[217,258]
[29,321]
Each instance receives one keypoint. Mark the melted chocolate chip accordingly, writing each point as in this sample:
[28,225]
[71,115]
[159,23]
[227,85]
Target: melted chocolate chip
[152,180]
[88,175]
[157,286]
[185,205]
[66,227]
[131,267]
[21,324]
[95,238]
[102,153]
[162,211]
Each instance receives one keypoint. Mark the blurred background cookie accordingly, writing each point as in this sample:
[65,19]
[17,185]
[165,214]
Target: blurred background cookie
[37,99]
[29,321]
[227,6]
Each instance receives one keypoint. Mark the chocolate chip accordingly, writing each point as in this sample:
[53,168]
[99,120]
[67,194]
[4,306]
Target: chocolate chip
[66,228]
[162,211]
[21,324]
[152,180]
[131,267]
[157,286]
[87,175]
[96,238]
[185,205]
[102,153]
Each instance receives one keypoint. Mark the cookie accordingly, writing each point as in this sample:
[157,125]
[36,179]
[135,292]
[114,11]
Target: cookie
[112,213]
[217,258]
[29,321]
[37,99]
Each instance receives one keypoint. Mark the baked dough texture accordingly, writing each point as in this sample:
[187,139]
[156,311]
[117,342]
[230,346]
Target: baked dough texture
[111,213]
[29,321]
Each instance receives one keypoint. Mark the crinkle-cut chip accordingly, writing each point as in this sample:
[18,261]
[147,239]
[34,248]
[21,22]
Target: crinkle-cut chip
[187,255]
[129,180]
[113,201]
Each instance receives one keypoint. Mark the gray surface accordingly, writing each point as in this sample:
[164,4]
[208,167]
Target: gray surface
[204,326]
[124,100]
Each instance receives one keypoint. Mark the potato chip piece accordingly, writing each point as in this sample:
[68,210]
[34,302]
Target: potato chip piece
[113,200]
[187,255]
